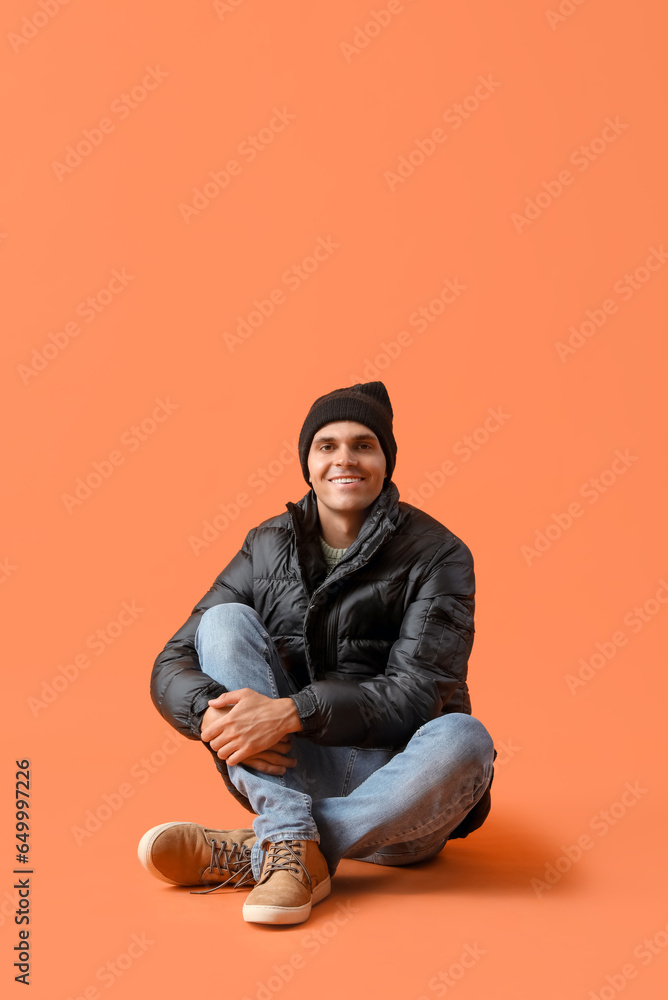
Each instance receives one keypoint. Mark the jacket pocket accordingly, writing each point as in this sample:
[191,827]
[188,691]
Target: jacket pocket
[461,622]
[446,634]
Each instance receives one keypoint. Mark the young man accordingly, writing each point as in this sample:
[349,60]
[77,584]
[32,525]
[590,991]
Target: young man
[325,670]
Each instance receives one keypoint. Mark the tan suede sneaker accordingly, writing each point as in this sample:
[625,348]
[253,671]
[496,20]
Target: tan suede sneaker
[190,854]
[294,877]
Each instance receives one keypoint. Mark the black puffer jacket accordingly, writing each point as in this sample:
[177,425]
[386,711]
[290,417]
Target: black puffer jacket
[378,646]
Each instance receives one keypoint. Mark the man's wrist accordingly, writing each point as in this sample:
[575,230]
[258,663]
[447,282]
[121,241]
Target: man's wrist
[307,710]
[292,720]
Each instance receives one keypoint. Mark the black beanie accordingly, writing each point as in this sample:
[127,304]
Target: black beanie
[366,403]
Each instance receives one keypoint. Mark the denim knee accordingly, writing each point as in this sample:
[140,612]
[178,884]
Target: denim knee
[233,644]
[474,743]
[227,619]
[227,614]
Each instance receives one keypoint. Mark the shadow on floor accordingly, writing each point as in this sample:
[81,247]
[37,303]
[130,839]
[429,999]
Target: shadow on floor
[501,857]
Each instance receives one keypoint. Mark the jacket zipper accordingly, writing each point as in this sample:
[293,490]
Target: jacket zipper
[331,625]
[331,634]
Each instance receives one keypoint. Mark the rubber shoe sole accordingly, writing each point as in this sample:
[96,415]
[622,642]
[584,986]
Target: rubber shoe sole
[286,914]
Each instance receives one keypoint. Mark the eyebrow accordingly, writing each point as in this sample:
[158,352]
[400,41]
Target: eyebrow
[322,438]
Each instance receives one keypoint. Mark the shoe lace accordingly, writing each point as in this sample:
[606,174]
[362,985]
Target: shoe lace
[283,857]
[236,860]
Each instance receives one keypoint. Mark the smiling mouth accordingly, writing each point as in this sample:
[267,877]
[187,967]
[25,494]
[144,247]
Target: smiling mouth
[347,479]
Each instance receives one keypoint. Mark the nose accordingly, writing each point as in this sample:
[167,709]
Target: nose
[345,456]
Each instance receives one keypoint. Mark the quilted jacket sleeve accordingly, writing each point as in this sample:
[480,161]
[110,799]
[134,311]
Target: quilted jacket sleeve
[179,689]
[426,666]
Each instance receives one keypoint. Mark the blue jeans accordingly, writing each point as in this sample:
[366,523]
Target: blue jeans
[390,807]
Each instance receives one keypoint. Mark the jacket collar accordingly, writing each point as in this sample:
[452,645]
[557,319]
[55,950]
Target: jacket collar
[305,511]
[378,524]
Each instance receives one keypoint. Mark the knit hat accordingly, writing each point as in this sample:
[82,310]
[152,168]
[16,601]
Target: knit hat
[366,403]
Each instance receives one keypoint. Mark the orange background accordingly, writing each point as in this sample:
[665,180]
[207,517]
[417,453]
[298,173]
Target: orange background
[564,755]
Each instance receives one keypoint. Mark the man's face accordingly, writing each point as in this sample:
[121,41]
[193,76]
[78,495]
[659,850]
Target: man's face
[346,465]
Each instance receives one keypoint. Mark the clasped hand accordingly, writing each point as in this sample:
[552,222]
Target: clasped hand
[245,727]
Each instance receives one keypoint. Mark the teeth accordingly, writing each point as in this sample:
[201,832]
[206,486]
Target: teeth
[350,479]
